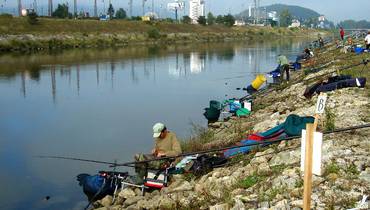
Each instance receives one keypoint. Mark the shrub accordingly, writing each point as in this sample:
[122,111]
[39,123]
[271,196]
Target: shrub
[32,18]
[154,33]
[186,19]
[331,168]
[6,15]
[329,119]
[202,20]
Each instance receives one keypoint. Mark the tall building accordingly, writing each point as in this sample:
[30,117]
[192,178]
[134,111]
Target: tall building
[197,9]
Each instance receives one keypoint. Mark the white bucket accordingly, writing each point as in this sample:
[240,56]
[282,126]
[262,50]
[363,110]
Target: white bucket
[248,105]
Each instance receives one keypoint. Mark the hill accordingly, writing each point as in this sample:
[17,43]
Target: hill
[298,12]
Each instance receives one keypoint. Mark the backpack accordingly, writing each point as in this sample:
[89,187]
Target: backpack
[205,163]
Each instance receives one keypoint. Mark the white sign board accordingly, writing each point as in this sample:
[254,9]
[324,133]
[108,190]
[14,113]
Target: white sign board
[176,6]
[320,105]
[316,153]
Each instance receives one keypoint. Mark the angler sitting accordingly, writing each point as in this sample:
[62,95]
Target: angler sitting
[307,54]
[166,145]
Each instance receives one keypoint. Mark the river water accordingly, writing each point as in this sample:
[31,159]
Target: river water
[102,104]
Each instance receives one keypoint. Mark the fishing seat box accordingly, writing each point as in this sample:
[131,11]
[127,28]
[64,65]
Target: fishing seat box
[155,179]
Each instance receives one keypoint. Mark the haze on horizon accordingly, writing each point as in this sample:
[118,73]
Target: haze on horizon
[334,10]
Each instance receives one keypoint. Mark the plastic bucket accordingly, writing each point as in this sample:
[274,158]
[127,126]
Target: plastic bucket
[359,50]
[215,105]
[212,114]
[247,105]
[234,106]
[260,79]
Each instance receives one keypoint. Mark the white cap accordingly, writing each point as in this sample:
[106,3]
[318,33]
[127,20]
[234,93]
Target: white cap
[157,129]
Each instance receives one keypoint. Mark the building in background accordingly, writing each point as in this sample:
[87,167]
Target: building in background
[196,9]
[295,24]
[239,23]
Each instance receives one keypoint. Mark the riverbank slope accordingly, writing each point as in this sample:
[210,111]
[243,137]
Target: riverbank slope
[17,34]
[270,177]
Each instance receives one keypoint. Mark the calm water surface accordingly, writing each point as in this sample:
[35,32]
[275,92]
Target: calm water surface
[101,104]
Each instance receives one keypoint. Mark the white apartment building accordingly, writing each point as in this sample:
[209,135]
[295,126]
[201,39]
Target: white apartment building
[197,9]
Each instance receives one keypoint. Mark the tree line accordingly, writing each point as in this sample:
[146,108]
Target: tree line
[62,11]
[227,20]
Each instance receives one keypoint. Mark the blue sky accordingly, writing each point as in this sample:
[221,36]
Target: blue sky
[335,10]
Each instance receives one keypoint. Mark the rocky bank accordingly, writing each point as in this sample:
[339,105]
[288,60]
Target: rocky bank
[270,178]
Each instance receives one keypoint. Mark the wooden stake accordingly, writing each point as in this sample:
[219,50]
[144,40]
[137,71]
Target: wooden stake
[308,166]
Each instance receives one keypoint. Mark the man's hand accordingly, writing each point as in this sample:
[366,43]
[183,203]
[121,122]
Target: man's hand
[161,154]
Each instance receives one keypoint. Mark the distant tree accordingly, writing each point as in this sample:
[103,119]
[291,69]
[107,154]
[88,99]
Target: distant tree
[202,20]
[186,19]
[350,24]
[62,11]
[210,18]
[229,20]
[32,18]
[219,19]
[285,18]
[121,14]
[313,21]
[170,20]
[136,18]
[110,11]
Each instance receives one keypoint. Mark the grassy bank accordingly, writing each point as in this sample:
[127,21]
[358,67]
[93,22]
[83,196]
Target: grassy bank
[17,34]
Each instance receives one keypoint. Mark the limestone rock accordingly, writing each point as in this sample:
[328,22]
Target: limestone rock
[287,158]
[239,205]
[132,200]
[223,206]
[106,201]
[166,203]
[127,193]
[297,203]
[282,205]
[365,175]
[185,186]
[264,169]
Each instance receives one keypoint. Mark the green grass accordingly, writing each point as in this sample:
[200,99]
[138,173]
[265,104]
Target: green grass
[200,137]
[329,119]
[278,169]
[331,168]
[251,180]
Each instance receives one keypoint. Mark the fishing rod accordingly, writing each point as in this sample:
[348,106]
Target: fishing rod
[236,147]
[76,159]
[363,62]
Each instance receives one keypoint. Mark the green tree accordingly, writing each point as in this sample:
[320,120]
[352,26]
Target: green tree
[229,20]
[32,18]
[186,19]
[220,19]
[121,14]
[62,11]
[285,18]
[111,11]
[202,20]
[210,18]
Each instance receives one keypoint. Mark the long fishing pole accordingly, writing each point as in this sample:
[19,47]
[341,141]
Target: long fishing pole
[236,147]
[76,159]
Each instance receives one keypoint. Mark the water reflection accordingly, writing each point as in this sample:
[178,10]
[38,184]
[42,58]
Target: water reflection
[31,67]
[101,104]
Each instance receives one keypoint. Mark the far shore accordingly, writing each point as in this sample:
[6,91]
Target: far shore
[17,35]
